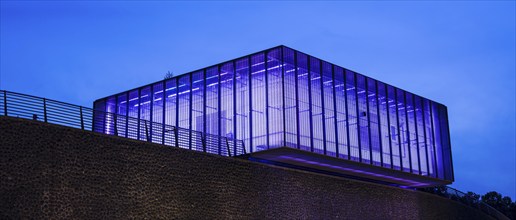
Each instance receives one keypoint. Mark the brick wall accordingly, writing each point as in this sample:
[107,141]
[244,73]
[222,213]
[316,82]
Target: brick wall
[50,171]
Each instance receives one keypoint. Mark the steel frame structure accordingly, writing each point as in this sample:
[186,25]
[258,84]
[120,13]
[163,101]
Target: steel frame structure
[281,97]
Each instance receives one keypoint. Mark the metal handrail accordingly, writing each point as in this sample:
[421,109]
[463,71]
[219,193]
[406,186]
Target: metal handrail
[36,108]
[456,195]
[20,105]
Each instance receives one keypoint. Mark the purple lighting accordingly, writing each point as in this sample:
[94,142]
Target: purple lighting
[281,97]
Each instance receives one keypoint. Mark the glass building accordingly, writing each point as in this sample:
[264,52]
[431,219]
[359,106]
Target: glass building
[290,107]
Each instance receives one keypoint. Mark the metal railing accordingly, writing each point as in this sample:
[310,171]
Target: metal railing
[55,112]
[466,199]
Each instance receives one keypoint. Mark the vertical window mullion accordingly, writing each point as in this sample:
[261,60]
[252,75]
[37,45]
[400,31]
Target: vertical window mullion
[266,63]
[190,104]
[385,87]
[347,112]
[297,100]
[433,140]
[407,133]
[425,136]
[138,110]
[250,105]
[449,145]
[355,79]
[398,126]
[163,125]
[127,115]
[379,121]
[234,109]
[368,120]
[219,113]
[322,106]
[310,104]
[204,104]
[115,116]
[283,97]
[177,113]
[417,134]
[335,112]
[441,128]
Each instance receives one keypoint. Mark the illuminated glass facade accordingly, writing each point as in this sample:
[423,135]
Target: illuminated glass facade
[281,97]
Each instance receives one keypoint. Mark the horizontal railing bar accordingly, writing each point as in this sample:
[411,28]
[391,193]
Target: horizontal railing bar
[24,105]
[58,108]
[22,111]
[50,120]
[64,115]
[11,106]
[64,104]
[36,97]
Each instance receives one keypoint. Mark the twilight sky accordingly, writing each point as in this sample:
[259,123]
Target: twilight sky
[461,54]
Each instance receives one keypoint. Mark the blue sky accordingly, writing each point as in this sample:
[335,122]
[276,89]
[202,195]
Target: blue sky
[461,54]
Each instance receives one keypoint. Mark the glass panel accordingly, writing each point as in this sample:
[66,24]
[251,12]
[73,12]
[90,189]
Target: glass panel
[340,102]
[99,115]
[242,101]
[157,112]
[170,110]
[226,103]
[429,141]
[352,116]
[376,144]
[438,139]
[212,105]
[144,108]
[317,114]
[363,116]
[184,101]
[133,115]
[384,124]
[421,136]
[304,102]
[259,124]
[110,115]
[121,111]
[291,110]
[403,131]
[329,111]
[447,162]
[197,109]
[393,127]
[275,98]
[413,144]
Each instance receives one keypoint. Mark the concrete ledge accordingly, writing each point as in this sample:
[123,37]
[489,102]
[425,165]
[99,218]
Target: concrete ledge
[316,161]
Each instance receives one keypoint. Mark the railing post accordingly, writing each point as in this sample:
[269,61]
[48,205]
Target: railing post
[115,128]
[45,109]
[146,131]
[203,141]
[82,119]
[227,146]
[176,132]
[163,130]
[5,103]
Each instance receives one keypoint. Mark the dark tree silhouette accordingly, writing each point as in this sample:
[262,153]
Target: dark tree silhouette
[501,203]
[493,199]
[168,75]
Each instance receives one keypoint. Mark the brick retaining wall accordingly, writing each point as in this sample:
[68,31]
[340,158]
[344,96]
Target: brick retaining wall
[50,171]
